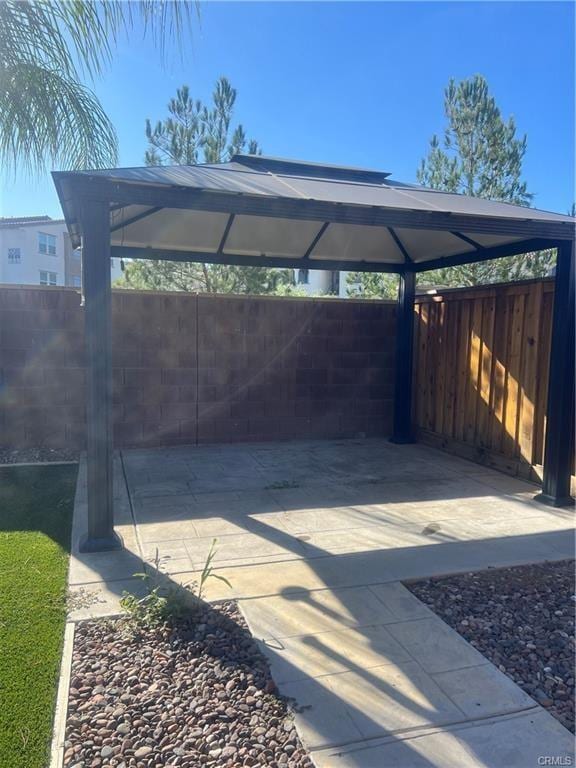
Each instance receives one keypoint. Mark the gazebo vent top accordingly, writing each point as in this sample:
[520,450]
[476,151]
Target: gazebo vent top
[264,210]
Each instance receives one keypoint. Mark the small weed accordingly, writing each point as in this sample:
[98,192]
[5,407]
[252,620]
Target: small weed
[159,605]
[152,609]
[197,588]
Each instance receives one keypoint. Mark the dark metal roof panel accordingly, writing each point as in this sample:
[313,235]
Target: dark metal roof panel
[238,179]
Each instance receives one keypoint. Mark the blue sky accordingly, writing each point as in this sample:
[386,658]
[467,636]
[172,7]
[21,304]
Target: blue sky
[354,83]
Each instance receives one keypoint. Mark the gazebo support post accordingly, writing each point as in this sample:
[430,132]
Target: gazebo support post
[98,321]
[559,444]
[403,431]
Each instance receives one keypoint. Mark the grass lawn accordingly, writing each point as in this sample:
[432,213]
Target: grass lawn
[35,521]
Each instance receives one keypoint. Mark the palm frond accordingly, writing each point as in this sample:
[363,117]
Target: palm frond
[80,34]
[45,115]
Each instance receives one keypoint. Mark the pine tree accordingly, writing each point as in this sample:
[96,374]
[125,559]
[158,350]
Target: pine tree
[192,133]
[481,156]
[178,138]
[150,274]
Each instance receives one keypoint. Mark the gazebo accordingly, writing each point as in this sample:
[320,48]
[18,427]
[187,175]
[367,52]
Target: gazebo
[264,211]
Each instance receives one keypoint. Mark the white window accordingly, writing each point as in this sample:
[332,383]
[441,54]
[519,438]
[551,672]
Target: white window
[303,276]
[14,256]
[47,244]
[76,281]
[48,278]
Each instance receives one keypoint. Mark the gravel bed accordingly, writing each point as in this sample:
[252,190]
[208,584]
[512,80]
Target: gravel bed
[36,455]
[197,692]
[520,618]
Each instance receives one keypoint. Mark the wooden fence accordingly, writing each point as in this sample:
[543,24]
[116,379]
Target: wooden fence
[481,361]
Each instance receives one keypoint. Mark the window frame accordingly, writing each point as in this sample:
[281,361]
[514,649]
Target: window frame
[305,274]
[49,274]
[49,244]
[11,259]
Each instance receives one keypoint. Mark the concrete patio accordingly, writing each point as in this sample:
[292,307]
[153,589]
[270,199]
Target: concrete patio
[315,538]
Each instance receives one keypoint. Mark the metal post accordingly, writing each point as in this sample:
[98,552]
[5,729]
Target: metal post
[559,445]
[403,432]
[98,321]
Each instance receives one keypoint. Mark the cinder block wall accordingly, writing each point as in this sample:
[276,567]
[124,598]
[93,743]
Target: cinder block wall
[198,369]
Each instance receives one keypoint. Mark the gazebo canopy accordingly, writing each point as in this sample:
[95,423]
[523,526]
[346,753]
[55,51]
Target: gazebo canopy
[258,211]
[263,211]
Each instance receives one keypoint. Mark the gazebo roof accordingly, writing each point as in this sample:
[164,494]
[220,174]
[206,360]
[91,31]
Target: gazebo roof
[262,210]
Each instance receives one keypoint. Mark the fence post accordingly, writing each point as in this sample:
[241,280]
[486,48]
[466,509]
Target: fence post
[559,443]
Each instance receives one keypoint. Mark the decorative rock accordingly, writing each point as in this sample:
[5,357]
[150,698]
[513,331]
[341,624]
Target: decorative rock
[196,693]
[142,752]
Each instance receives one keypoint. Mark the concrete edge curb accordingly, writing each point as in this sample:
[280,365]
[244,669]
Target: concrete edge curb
[61,709]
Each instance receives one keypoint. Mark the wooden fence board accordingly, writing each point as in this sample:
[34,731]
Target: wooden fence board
[544,363]
[440,393]
[486,374]
[473,371]
[529,377]
[463,369]
[451,318]
[422,351]
[499,374]
[511,447]
[430,366]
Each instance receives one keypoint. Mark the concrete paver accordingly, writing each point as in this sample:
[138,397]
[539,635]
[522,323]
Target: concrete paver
[517,741]
[401,603]
[317,611]
[437,647]
[301,656]
[377,701]
[482,691]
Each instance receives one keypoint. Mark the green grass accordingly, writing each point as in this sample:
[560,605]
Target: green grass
[35,521]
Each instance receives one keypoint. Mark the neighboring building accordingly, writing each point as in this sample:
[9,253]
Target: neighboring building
[36,250]
[317,281]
